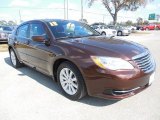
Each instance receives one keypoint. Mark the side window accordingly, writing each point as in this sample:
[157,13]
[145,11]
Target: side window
[36,29]
[23,31]
[95,27]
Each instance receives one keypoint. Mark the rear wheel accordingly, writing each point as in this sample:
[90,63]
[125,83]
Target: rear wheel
[14,60]
[157,28]
[103,33]
[71,81]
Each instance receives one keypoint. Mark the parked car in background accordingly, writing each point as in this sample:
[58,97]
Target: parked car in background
[149,27]
[13,27]
[81,60]
[4,33]
[121,31]
[98,23]
[132,29]
[158,27]
[104,30]
[139,27]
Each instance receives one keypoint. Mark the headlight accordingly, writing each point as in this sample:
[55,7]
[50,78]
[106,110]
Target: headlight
[3,35]
[111,63]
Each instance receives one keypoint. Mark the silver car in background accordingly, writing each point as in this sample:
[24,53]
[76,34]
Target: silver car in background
[132,29]
[104,30]
[4,33]
[121,31]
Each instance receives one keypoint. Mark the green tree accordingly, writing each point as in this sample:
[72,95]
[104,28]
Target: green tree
[139,21]
[114,6]
[3,22]
[11,23]
[129,23]
[146,22]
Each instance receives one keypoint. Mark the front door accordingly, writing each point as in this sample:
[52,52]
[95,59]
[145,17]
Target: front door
[38,53]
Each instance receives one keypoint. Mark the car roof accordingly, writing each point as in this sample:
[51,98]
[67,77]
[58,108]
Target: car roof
[47,20]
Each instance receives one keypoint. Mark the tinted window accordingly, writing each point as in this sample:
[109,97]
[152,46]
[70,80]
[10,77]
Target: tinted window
[7,29]
[95,27]
[23,31]
[104,27]
[36,29]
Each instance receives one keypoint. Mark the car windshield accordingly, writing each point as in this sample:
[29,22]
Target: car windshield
[71,29]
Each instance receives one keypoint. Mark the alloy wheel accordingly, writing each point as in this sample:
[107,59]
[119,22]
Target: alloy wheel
[68,81]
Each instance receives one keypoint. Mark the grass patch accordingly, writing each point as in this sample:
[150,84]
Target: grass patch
[3,47]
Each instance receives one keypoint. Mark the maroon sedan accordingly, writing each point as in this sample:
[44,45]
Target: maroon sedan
[80,60]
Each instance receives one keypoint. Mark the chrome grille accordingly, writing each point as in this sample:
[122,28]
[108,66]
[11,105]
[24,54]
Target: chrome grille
[145,62]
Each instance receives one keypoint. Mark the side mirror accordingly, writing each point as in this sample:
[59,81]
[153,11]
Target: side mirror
[41,38]
[38,38]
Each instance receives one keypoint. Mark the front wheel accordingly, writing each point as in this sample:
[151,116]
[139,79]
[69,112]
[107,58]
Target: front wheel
[14,60]
[71,81]
[119,33]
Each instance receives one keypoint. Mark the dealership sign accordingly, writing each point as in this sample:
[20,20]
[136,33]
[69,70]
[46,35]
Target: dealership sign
[153,16]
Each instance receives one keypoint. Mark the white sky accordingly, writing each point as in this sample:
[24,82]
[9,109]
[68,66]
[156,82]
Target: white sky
[41,9]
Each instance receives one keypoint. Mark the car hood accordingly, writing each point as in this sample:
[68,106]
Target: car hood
[112,46]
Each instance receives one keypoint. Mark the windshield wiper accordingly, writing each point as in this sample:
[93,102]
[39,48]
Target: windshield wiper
[75,36]
[68,37]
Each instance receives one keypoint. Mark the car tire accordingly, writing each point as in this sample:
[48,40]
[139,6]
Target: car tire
[14,60]
[157,28]
[103,33]
[119,33]
[71,81]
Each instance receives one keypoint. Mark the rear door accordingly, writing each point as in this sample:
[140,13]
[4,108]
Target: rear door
[21,41]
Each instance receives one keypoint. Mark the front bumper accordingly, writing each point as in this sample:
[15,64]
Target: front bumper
[118,85]
[128,93]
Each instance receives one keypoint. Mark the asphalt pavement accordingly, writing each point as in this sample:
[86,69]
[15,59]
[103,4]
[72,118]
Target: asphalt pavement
[26,94]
